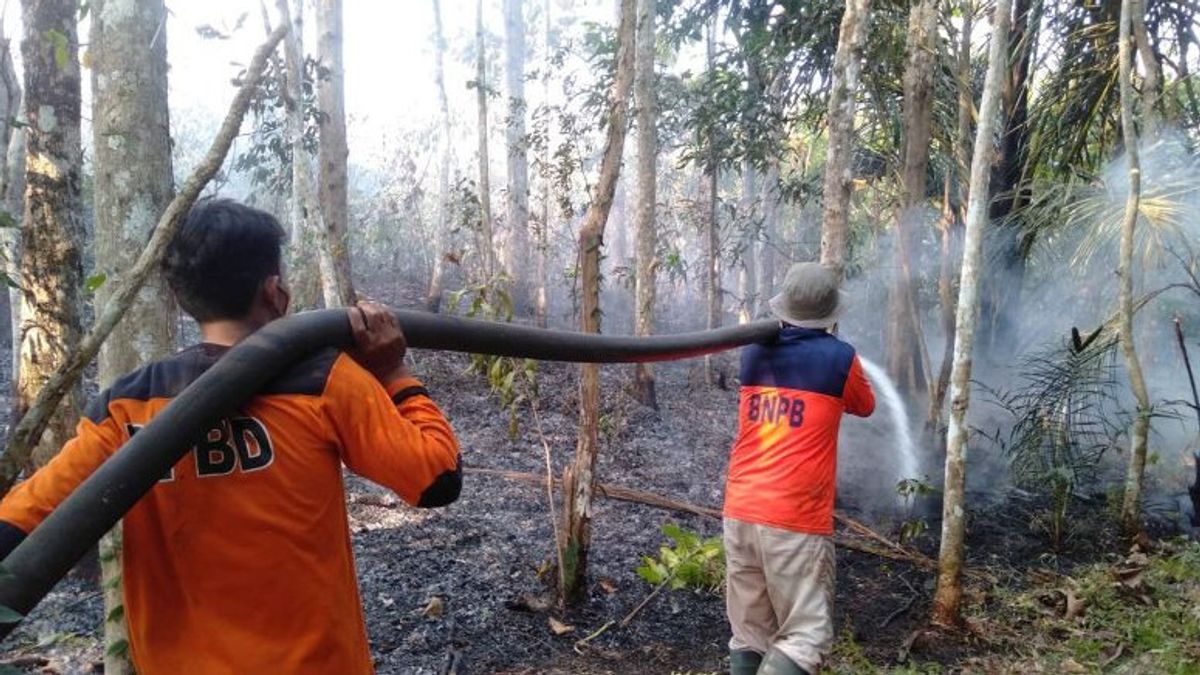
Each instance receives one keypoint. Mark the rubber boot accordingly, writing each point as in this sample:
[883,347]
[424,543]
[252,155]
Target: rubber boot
[744,661]
[776,663]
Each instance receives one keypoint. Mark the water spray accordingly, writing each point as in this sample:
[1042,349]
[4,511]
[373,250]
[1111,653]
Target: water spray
[909,466]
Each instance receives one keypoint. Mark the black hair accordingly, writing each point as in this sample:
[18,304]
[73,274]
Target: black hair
[220,256]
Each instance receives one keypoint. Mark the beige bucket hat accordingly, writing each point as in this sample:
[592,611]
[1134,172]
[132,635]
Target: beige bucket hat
[810,297]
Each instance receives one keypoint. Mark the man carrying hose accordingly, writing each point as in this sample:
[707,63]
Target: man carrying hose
[782,477]
[239,560]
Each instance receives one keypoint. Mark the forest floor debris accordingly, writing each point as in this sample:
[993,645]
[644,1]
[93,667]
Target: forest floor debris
[467,588]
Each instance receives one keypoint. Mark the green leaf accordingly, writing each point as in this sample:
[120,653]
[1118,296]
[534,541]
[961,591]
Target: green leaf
[9,281]
[7,219]
[9,616]
[117,614]
[58,40]
[95,281]
[119,648]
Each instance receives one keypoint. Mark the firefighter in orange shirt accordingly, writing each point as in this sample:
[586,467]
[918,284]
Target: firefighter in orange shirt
[782,477]
[239,560]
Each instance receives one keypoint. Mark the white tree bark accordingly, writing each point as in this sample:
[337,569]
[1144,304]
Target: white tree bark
[518,161]
[948,596]
[542,301]
[847,65]
[12,186]
[748,269]
[487,252]
[1131,505]
[133,180]
[434,298]
[645,97]
[307,213]
[332,149]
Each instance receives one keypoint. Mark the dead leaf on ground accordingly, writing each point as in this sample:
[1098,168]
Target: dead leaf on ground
[1071,666]
[559,628]
[608,585]
[534,604]
[435,608]
[1114,655]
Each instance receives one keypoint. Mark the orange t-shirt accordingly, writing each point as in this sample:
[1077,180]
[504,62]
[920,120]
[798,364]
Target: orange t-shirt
[783,468]
[239,560]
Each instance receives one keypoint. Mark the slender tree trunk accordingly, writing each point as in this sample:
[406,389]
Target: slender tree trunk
[948,596]
[1152,72]
[434,300]
[953,214]
[332,149]
[713,231]
[847,64]
[543,250]
[1131,506]
[486,251]
[12,187]
[52,233]
[748,270]
[306,209]
[518,162]
[770,233]
[134,182]
[906,349]
[647,178]
[1001,299]
[579,479]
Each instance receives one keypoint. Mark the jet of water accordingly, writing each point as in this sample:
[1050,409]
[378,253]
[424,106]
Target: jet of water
[907,466]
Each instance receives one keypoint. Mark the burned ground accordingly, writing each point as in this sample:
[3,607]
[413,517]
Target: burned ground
[467,587]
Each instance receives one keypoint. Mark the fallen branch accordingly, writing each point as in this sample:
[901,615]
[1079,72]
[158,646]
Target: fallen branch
[29,430]
[893,551]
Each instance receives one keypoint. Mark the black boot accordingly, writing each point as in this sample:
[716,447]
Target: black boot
[776,663]
[744,661]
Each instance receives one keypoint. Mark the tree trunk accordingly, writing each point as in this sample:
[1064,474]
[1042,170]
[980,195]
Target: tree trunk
[52,233]
[1152,72]
[948,597]
[713,231]
[748,270]
[307,213]
[1131,506]
[579,479]
[12,185]
[434,299]
[1002,284]
[518,162]
[647,179]
[543,251]
[953,214]
[770,229]
[847,64]
[906,360]
[487,252]
[331,99]
[134,182]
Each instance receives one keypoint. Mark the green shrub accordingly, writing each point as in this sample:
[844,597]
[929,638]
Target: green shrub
[688,561]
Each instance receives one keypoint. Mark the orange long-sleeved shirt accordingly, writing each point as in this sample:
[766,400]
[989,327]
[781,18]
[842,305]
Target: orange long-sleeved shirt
[239,560]
[783,468]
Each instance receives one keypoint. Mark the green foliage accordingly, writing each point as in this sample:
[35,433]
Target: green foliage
[119,648]
[94,282]
[61,46]
[514,380]
[909,489]
[1065,416]
[687,562]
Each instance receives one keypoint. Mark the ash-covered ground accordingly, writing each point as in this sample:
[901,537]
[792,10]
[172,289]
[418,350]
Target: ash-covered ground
[485,558]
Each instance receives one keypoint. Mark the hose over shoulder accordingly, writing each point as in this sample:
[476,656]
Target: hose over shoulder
[51,550]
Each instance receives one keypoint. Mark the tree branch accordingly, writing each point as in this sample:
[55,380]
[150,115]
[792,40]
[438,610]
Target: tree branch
[29,430]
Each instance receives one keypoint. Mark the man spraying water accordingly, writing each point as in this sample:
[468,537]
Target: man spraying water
[782,477]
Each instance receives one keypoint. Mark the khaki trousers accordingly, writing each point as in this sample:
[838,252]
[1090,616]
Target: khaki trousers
[779,591]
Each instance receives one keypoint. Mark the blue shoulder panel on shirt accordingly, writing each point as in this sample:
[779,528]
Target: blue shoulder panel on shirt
[801,359]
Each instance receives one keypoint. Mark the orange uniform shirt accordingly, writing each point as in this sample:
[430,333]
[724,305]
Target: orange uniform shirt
[783,468]
[239,560]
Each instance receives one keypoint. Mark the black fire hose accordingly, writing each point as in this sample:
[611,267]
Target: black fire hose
[53,548]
